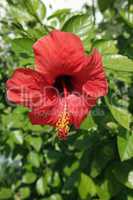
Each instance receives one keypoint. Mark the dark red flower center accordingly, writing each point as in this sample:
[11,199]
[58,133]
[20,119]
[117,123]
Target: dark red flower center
[63,81]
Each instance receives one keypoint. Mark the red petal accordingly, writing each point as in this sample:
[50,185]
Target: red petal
[59,53]
[26,87]
[96,88]
[91,78]
[47,115]
[79,107]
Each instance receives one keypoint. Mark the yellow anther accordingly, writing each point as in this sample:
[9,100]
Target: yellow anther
[62,124]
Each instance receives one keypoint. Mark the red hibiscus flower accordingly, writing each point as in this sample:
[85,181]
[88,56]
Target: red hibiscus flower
[65,84]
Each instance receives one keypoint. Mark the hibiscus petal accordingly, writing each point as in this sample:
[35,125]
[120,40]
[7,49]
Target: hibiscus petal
[78,107]
[59,53]
[92,79]
[26,88]
[47,115]
[96,88]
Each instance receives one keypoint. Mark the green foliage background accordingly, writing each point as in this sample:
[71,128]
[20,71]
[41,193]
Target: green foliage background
[96,162]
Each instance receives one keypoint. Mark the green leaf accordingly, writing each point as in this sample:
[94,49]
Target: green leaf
[48,176]
[53,156]
[68,170]
[106,47]
[72,180]
[36,33]
[127,17]
[27,61]
[29,178]
[59,13]
[24,193]
[120,115]
[22,45]
[118,63]
[55,197]
[86,187]
[103,190]
[103,153]
[87,141]
[124,173]
[130,197]
[35,142]
[34,159]
[36,8]
[125,147]
[41,186]
[31,6]
[107,185]
[126,77]
[104,4]
[17,137]
[82,26]
[88,123]
[34,4]
[41,12]
[5,193]
[56,180]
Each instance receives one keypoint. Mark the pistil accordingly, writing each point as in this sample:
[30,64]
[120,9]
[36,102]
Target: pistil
[63,122]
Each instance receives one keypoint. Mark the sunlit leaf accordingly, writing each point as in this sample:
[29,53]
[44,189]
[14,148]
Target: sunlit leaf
[24,192]
[41,186]
[59,13]
[36,8]
[17,137]
[5,193]
[127,17]
[82,26]
[118,63]
[55,197]
[125,147]
[34,159]
[86,187]
[35,142]
[29,177]
[22,45]
[106,47]
[120,115]
[88,123]
[103,190]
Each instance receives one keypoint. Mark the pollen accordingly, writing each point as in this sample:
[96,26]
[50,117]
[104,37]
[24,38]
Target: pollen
[62,124]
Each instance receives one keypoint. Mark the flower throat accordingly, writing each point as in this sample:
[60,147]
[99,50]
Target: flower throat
[63,81]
